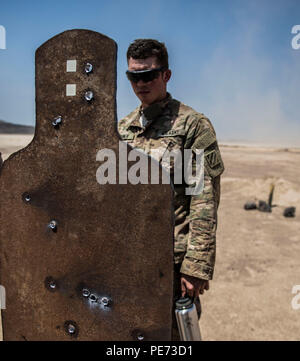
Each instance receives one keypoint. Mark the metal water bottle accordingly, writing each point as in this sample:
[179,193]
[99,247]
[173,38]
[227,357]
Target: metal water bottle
[187,320]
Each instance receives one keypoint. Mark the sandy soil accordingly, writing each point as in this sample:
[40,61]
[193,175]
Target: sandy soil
[10,143]
[258,254]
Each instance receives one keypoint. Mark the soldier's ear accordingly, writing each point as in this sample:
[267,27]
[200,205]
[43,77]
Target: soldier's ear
[167,75]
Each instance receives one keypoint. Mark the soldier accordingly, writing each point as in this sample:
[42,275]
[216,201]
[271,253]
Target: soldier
[161,122]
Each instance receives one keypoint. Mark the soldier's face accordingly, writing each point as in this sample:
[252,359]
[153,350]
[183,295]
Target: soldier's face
[154,90]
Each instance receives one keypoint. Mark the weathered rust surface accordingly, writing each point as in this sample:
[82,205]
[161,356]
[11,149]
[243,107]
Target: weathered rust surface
[114,240]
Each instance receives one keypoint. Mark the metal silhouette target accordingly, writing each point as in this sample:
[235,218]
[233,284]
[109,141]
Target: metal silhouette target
[80,260]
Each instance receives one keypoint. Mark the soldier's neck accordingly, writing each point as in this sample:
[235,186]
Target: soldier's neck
[145,105]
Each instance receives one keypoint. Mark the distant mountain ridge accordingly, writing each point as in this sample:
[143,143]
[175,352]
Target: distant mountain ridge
[10,128]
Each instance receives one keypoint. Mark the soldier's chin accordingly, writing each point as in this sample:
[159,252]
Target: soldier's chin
[145,98]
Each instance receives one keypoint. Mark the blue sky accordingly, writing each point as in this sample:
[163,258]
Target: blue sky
[231,59]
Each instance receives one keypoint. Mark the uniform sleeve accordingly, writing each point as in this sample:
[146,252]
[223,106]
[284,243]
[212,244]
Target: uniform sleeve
[199,259]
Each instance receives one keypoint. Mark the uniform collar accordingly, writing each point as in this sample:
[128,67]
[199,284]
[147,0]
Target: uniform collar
[151,113]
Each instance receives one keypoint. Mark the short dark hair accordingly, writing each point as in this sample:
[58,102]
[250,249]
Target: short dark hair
[144,48]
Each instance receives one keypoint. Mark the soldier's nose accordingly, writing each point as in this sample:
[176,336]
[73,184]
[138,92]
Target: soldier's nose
[140,83]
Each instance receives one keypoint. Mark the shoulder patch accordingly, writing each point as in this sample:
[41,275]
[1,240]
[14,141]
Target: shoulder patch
[213,159]
[213,162]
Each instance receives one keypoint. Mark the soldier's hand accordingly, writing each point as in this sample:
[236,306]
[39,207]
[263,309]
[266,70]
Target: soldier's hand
[193,286]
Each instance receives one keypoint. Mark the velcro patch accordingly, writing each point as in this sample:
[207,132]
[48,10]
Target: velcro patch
[205,139]
[127,136]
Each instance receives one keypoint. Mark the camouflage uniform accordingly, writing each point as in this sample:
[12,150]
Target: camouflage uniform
[173,125]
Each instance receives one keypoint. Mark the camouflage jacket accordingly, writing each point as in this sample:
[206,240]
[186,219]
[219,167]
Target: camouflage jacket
[173,125]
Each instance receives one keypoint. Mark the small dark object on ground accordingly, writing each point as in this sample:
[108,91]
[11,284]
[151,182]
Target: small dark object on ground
[271,195]
[264,207]
[250,205]
[289,212]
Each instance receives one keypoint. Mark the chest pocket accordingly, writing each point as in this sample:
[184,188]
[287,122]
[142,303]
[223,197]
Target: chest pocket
[167,141]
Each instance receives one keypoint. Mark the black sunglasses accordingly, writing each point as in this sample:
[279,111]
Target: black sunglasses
[144,75]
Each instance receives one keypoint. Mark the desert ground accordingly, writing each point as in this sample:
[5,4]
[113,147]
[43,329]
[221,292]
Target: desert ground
[258,254]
